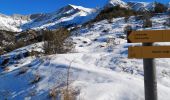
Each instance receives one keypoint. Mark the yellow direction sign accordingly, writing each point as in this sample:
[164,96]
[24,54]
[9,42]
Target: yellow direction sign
[148,36]
[149,52]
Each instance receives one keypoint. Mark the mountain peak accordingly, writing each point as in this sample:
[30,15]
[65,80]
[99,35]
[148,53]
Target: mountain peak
[112,3]
[80,8]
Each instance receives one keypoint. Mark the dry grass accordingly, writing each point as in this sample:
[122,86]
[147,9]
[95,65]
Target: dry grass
[6,69]
[53,93]
[63,93]
[66,92]
[69,94]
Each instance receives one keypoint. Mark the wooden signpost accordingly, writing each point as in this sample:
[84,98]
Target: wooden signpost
[148,52]
[149,36]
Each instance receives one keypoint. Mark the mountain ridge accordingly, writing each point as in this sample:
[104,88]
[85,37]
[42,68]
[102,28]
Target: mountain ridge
[69,15]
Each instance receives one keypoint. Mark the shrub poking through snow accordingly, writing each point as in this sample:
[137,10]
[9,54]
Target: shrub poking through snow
[147,20]
[126,19]
[63,93]
[69,94]
[35,53]
[53,93]
[23,70]
[36,79]
[127,29]
[6,69]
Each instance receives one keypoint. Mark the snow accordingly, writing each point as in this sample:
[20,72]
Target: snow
[100,69]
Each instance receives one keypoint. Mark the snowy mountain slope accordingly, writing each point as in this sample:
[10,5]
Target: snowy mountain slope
[11,23]
[111,3]
[142,6]
[68,15]
[100,69]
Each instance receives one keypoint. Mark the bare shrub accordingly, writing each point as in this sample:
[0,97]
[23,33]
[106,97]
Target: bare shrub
[126,19]
[69,94]
[23,70]
[53,93]
[127,29]
[57,41]
[147,20]
[6,69]
[113,12]
[35,53]
[13,46]
[36,79]
[160,8]
[63,93]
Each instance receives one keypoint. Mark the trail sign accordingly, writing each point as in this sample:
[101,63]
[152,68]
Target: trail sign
[149,52]
[148,36]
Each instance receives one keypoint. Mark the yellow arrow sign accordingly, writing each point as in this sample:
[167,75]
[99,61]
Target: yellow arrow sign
[149,52]
[148,36]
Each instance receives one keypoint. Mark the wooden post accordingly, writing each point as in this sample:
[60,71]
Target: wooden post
[150,82]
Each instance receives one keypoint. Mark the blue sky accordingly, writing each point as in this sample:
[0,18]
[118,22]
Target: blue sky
[24,7]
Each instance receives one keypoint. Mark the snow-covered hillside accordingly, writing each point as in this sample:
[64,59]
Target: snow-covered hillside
[66,16]
[11,23]
[142,6]
[100,69]
[96,69]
